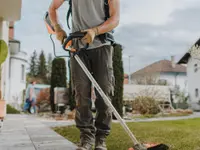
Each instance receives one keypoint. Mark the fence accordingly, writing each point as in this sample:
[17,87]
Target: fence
[160,93]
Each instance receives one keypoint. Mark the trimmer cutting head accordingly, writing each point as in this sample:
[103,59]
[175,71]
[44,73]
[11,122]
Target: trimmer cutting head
[150,147]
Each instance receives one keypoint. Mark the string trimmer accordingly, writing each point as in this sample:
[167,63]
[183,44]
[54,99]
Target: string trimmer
[67,46]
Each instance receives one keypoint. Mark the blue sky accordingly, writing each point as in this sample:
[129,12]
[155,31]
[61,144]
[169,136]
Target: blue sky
[149,30]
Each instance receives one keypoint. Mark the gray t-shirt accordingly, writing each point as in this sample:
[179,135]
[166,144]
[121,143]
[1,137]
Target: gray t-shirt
[87,14]
[30,86]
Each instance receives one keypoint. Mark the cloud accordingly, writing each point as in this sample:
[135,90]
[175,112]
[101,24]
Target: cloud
[149,30]
[149,42]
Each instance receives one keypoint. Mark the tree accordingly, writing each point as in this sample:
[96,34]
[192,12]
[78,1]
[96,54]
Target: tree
[33,65]
[58,78]
[42,69]
[49,67]
[72,102]
[117,99]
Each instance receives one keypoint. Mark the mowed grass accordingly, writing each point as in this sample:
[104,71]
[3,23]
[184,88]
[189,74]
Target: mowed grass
[179,135]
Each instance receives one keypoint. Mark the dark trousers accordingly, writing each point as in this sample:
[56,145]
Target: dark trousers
[99,62]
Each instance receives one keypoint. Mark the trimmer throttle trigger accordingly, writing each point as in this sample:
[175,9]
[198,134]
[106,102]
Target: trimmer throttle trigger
[68,41]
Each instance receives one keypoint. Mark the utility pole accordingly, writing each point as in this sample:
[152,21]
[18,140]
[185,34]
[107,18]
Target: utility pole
[130,56]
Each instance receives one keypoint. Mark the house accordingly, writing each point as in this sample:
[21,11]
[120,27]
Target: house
[17,70]
[13,76]
[192,60]
[126,79]
[163,72]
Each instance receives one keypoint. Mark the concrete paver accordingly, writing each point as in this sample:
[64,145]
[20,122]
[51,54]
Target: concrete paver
[24,132]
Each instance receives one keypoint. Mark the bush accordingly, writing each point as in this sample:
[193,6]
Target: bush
[58,78]
[12,110]
[146,105]
[118,71]
[72,102]
[43,102]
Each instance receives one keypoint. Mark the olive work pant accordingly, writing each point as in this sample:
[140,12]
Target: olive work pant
[99,63]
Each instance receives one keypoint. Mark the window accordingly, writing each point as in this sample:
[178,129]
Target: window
[197,92]
[162,82]
[22,72]
[195,68]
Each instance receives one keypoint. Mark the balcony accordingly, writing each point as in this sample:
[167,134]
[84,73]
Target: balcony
[10,10]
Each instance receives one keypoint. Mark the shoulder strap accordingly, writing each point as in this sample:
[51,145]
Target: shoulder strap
[106,9]
[69,12]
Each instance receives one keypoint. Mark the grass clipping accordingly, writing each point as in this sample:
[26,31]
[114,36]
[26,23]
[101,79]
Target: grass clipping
[146,105]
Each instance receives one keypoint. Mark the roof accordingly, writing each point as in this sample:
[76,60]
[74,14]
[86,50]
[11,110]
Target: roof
[161,66]
[41,86]
[125,75]
[185,58]
[14,40]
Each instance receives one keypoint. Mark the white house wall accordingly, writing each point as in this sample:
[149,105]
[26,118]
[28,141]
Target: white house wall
[175,79]
[17,85]
[5,66]
[193,82]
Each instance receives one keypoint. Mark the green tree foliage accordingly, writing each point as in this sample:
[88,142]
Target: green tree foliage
[42,68]
[49,67]
[117,99]
[33,65]
[58,78]
[72,102]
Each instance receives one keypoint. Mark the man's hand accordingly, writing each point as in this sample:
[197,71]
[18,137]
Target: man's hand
[89,37]
[60,33]
[113,21]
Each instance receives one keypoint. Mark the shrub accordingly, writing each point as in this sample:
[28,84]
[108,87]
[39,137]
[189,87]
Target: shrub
[72,102]
[43,95]
[43,101]
[118,71]
[58,78]
[12,110]
[146,105]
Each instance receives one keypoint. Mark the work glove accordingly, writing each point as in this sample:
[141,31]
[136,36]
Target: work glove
[89,37]
[60,33]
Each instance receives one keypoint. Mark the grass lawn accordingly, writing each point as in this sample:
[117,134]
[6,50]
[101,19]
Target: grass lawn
[179,135]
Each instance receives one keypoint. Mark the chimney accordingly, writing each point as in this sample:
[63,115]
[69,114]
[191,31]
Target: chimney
[11,30]
[173,62]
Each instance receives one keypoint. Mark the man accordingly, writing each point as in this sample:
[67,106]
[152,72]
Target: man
[30,97]
[89,16]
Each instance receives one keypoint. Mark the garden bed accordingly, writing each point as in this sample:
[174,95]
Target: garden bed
[175,113]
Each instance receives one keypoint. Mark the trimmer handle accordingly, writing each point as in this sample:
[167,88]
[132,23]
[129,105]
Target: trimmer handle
[72,36]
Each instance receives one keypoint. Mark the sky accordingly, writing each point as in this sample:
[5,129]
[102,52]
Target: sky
[149,30]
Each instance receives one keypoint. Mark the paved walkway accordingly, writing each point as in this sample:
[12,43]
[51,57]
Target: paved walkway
[22,132]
